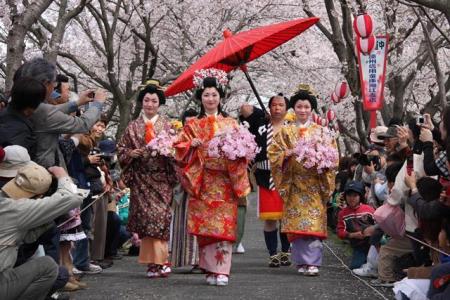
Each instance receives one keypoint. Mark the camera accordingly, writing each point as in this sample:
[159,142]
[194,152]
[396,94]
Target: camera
[420,120]
[103,155]
[106,156]
[366,160]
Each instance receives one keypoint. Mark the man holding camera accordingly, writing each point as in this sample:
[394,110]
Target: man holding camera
[374,166]
[24,218]
[50,121]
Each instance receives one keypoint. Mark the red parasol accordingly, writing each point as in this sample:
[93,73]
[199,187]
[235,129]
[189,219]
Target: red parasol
[237,50]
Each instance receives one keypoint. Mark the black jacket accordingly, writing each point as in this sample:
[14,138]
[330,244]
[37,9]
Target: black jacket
[259,125]
[433,210]
[16,129]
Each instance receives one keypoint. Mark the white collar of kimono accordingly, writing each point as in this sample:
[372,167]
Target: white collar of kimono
[153,119]
[214,114]
[304,125]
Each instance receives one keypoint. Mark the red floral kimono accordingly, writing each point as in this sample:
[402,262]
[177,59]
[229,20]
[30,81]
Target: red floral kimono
[150,179]
[214,184]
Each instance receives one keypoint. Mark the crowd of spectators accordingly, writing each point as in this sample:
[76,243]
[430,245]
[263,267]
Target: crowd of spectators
[392,204]
[53,147]
[392,200]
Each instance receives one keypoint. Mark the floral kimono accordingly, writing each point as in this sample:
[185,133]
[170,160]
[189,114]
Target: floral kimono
[305,193]
[151,181]
[214,186]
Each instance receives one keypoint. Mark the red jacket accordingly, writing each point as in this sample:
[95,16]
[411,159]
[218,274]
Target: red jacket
[2,154]
[354,220]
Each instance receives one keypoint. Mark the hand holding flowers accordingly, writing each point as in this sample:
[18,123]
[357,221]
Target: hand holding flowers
[317,151]
[162,144]
[233,143]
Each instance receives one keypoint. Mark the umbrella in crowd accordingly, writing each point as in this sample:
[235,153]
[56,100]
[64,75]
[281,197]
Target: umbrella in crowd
[235,51]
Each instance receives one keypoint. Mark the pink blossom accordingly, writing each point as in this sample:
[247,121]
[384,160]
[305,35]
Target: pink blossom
[233,143]
[162,144]
[317,151]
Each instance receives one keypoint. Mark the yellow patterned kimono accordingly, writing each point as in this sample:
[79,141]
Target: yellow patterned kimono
[304,191]
[214,184]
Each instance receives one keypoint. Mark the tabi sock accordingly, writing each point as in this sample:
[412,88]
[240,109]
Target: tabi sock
[285,245]
[271,238]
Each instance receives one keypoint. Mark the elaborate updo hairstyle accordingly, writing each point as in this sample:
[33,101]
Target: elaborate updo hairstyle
[209,82]
[152,87]
[304,96]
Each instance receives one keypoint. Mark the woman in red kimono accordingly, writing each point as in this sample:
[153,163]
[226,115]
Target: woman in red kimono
[150,180]
[214,184]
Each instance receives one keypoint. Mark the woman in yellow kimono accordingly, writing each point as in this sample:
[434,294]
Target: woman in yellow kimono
[214,184]
[304,191]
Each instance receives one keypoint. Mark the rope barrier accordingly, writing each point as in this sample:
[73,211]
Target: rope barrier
[425,244]
[78,214]
[360,279]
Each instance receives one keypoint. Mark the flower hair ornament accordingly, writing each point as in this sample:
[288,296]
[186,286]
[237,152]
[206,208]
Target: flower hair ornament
[200,75]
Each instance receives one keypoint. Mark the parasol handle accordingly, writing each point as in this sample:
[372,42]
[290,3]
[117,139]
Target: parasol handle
[244,69]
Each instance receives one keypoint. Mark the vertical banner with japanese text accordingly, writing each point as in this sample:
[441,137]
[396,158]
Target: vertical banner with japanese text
[372,74]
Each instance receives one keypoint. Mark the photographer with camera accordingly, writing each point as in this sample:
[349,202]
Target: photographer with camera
[23,220]
[94,219]
[434,144]
[374,167]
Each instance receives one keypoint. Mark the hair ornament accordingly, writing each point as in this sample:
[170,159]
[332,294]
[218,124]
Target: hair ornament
[307,88]
[219,75]
[153,82]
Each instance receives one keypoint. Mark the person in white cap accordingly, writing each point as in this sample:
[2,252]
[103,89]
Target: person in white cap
[23,215]
[15,158]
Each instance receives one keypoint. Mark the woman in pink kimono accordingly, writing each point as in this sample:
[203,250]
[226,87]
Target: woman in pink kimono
[151,180]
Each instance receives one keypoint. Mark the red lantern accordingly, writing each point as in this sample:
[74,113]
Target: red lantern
[342,90]
[363,25]
[314,117]
[331,115]
[335,98]
[366,45]
[318,120]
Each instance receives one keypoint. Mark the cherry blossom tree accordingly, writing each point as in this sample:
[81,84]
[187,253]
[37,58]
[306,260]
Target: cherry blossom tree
[119,44]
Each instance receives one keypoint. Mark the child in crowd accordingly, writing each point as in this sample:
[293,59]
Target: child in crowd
[353,219]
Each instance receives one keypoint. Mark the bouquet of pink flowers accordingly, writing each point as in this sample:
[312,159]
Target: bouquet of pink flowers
[162,144]
[233,143]
[317,150]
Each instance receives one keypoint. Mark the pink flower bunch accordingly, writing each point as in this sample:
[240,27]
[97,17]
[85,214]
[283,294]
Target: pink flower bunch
[135,240]
[233,143]
[162,144]
[317,151]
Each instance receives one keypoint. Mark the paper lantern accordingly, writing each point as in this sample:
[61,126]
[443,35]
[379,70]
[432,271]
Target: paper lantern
[363,25]
[318,120]
[342,89]
[365,45]
[335,98]
[314,117]
[331,115]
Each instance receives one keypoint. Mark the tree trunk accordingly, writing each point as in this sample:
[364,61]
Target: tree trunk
[16,37]
[125,117]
